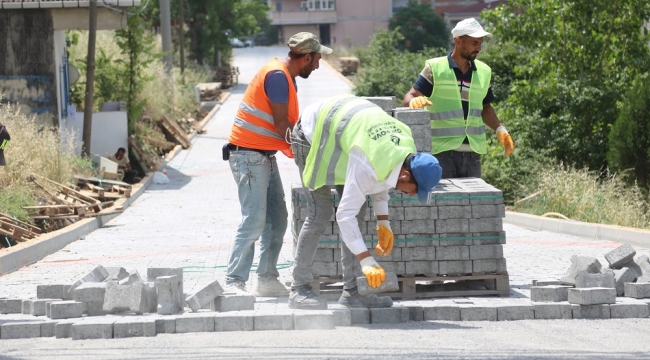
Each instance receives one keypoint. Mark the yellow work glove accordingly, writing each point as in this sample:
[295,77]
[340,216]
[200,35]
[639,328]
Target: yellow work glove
[419,102]
[505,140]
[386,238]
[373,272]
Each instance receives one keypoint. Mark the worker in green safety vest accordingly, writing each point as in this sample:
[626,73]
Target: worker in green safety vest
[456,91]
[352,145]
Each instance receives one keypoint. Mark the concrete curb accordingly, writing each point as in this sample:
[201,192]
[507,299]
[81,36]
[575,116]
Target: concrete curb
[591,231]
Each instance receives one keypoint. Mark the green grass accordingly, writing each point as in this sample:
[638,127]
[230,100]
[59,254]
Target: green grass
[12,200]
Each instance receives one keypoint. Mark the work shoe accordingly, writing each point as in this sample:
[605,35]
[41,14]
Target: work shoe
[352,299]
[269,287]
[303,297]
[236,287]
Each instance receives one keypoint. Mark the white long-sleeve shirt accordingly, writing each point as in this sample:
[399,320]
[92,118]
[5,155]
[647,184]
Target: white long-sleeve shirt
[360,180]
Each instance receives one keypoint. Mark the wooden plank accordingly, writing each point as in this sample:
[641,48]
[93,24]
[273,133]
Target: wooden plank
[173,128]
[30,227]
[70,191]
[102,182]
[143,158]
[161,144]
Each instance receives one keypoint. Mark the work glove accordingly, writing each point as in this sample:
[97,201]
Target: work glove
[505,140]
[386,238]
[419,102]
[373,272]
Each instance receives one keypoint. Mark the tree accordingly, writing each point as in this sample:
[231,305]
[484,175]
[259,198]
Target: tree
[420,26]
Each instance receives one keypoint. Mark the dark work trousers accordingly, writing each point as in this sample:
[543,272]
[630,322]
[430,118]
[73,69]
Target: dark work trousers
[459,164]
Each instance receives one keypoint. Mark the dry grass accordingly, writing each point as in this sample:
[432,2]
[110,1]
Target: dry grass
[583,195]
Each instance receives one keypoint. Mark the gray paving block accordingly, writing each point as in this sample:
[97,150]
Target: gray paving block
[420,213]
[37,307]
[116,273]
[395,255]
[489,265]
[481,252]
[624,311]
[488,211]
[234,321]
[421,226]
[20,330]
[592,296]
[454,212]
[590,264]
[420,253]
[11,306]
[587,280]
[360,316]
[637,290]
[620,256]
[153,273]
[98,274]
[233,302]
[511,312]
[94,308]
[95,328]
[165,324]
[313,320]
[398,267]
[195,322]
[547,311]
[546,282]
[452,253]
[88,292]
[390,284]
[478,312]
[412,116]
[151,297]
[456,239]
[639,265]
[273,321]
[441,312]
[204,296]
[133,278]
[391,315]
[452,226]
[455,267]
[600,311]
[169,294]
[56,291]
[47,328]
[421,267]
[134,327]
[386,103]
[486,225]
[342,317]
[550,293]
[66,309]
[416,313]
[494,238]
[63,328]
[414,240]
[622,276]
[120,298]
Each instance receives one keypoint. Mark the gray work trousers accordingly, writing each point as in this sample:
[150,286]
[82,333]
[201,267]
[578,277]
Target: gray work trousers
[319,212]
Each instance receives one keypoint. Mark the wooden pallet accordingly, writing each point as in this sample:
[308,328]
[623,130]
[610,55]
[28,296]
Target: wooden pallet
[15,232]
[412,287]
[176,132]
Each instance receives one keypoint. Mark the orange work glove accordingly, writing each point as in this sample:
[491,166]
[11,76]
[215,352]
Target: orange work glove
[419,102]
[373,272]
[505,140]
[386,238]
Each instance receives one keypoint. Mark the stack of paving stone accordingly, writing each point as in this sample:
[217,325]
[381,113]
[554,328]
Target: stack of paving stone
[589,291]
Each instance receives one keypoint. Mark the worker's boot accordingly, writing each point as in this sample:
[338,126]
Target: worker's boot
[269,287]
[352,299]
[304,298]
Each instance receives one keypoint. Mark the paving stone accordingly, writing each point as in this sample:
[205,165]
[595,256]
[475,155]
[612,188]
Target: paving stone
[590,264]
[151,298]
[424,253]
[454,212]
[98,274]
[153,273]
[89,292]
[600,311]
[133,278]
[391,315]
[47,328]
[453,226]
[587,280]
[120,298]
[134,327]
[416,313]
[386,103]
[622,276]
[455,267]
[421,267]
[550,293]
[546,282]
[36,307]
[116,273]
[169,294]
[165,324]
[515,312]
[360,316]
[592,296]
[63,328]
[94,308]
[234,321]
[452,253]
[342,317]
[485,225]
[53,292]
[620,256]
[637,290]
[489,265]
[273,321]
[478,312]
[11,306]
[547,311]
[442,312]
[641,267]
[66,309]
[20,330]
[390,284]
[313,320]
[233,302]
[94,328]
[195,322]
[488,211]
[480,252]
[204,296]
[420,213]
[623,310]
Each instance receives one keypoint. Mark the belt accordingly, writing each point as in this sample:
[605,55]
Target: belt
[269,153]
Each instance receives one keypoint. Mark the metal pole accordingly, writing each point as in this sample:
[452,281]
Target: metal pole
[166,30]
[182,35]
[90,76]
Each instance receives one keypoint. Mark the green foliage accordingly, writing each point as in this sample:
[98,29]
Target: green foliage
[12,200]
[505,60]
[629,140]
[421,27]
[387,71]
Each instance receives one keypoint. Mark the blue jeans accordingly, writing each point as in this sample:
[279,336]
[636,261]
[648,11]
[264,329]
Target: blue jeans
[264,213]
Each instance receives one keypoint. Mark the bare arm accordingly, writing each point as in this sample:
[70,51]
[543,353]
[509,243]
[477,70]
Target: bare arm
[410,95]
[490,117]
[281,118]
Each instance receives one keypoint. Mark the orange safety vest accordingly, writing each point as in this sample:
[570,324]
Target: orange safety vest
[254,126]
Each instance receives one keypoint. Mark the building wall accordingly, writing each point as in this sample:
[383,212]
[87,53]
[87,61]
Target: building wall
[289,30]
[27,68]
[358,20]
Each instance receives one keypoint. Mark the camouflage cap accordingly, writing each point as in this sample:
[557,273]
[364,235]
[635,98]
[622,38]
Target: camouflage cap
[305,43]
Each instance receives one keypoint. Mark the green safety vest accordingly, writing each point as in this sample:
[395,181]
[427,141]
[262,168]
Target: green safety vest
[346,121]
[448,125]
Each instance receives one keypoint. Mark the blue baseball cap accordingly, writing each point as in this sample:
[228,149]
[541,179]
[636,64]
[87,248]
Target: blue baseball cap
[427,172]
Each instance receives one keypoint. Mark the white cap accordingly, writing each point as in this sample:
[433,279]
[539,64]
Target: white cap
[469,27]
